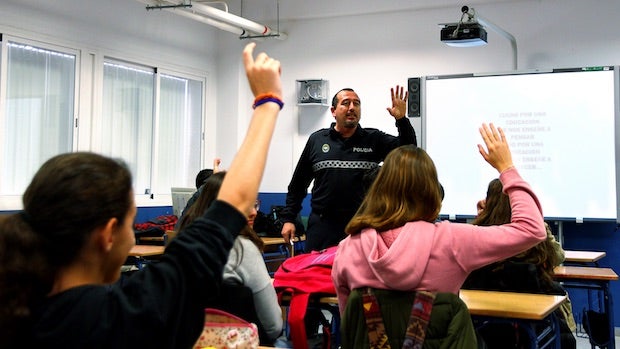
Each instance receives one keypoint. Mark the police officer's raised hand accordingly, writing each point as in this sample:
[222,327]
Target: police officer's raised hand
[399,102]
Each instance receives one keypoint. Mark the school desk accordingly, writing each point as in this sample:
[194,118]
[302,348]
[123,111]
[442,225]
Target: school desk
[143,252]
[591,278]
[278,241]
[526,309]
[583,257]
[515,305]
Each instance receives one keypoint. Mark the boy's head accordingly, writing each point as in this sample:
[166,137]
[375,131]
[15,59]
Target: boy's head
[202,176]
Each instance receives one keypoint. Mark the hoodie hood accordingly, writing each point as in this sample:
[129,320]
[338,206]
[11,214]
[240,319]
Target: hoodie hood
[384,254]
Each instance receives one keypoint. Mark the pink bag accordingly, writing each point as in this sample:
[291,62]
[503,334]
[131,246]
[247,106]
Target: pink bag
[300,277]
[226,331]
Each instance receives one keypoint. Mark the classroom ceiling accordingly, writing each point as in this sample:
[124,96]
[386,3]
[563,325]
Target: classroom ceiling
[312,9]
[263,11]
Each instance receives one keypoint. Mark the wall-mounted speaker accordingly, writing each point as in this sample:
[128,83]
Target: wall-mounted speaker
[413,101]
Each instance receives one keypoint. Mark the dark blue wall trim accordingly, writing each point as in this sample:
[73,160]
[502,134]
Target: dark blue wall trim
[267,200]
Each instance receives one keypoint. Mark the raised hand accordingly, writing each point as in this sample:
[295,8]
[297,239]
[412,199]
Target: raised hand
[263,72]
[399,102]
[498,154]
[216,165]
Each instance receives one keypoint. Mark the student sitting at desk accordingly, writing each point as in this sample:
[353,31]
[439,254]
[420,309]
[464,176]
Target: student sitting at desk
[61,256]
[245,269]
[201,178]
[395,242]
[529,271]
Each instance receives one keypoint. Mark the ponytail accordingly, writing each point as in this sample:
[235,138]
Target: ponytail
[25,277]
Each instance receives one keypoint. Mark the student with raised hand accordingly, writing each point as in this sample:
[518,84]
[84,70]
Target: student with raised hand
[248,290]
[60,257]
[201,178]
[529,271]
[394,242]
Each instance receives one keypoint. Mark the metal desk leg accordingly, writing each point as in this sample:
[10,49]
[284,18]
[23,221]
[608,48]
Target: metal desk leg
[609,309]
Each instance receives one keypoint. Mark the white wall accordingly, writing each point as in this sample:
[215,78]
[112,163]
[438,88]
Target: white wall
[369,53]
[375,52]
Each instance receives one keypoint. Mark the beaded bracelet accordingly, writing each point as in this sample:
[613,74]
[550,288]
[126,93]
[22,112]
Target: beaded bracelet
[267,97]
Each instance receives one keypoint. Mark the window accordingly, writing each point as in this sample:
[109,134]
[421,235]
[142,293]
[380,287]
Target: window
[151,119]
[38,118]
[161,142]
[126,130]
[179,133]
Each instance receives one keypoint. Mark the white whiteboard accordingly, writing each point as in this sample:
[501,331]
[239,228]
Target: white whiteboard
[561,128]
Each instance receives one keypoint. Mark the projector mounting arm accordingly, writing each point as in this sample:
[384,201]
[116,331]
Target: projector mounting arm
[472,17]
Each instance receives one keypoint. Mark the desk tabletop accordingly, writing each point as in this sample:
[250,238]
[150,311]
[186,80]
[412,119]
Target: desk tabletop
[498,304]
[583,256]
[146,250]
[279,241]
[510,304]
[589,273]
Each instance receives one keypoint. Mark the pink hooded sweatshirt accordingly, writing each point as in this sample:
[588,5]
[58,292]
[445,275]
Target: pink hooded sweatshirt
[437,256]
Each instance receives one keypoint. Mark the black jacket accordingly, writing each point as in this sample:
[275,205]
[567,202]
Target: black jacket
[160,306]
[338,165]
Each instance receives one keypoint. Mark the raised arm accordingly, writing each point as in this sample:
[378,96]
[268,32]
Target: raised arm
[240,186]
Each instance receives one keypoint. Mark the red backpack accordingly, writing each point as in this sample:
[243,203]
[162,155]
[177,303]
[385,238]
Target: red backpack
[300,277]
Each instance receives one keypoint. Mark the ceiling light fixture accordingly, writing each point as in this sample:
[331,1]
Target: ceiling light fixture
[223,20]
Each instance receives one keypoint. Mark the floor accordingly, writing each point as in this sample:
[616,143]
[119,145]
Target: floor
[584,343]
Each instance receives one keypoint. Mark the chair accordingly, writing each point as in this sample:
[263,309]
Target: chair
[506,276]
[450,324]
[239,300]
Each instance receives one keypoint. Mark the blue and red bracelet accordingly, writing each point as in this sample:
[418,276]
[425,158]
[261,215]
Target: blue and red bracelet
[265,98]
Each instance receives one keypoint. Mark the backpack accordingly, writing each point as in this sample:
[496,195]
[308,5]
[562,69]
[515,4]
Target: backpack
[301,277]
[155,227]
[270,224]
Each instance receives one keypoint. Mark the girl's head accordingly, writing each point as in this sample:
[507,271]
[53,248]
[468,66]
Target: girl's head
[71,197]
[497,211]
[208,195]
[497,206]
[406,189]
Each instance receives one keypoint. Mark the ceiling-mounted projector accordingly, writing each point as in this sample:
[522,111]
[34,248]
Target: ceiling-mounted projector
[464,34]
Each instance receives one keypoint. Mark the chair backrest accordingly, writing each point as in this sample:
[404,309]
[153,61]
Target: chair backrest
[180,196]
[507,276]
[450,325]
[239,301]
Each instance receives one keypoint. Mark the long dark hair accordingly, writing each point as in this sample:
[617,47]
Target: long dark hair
[69,197]
[497,211]
[208,195]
